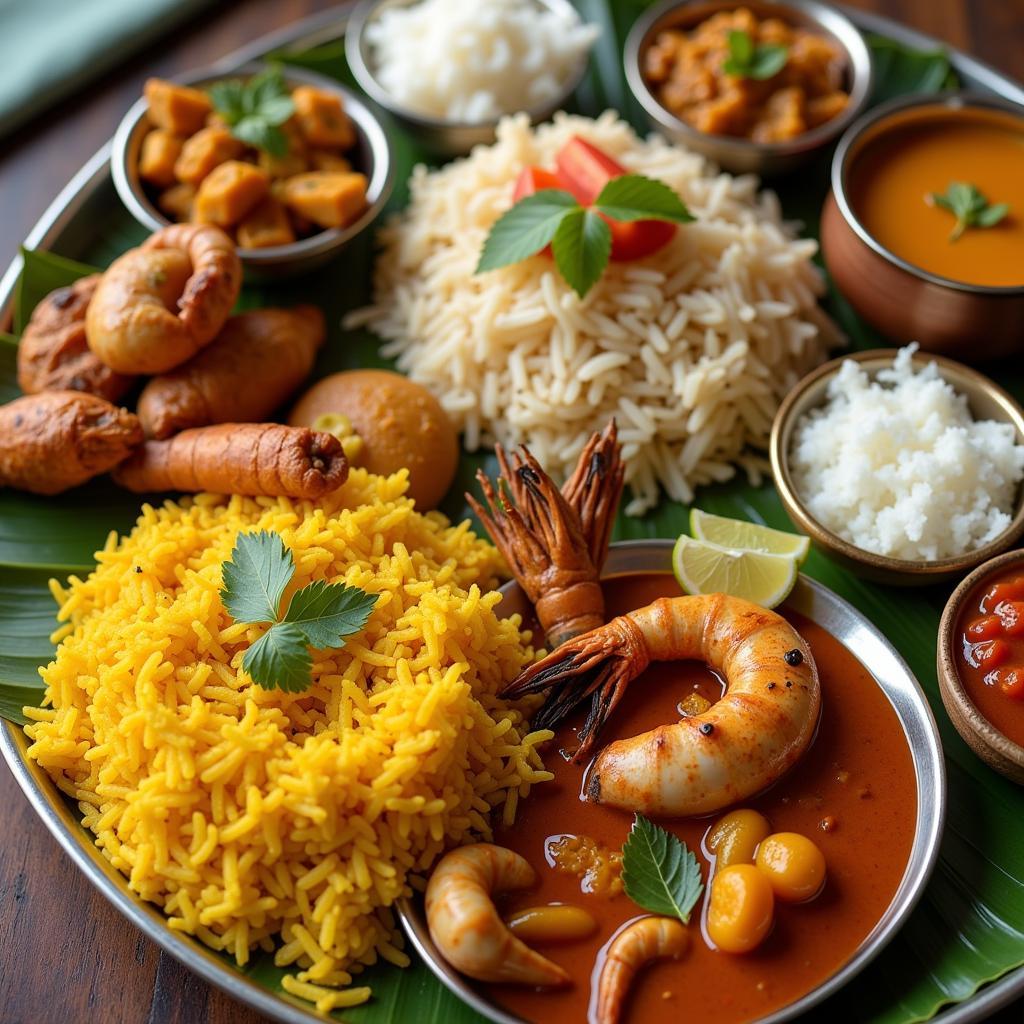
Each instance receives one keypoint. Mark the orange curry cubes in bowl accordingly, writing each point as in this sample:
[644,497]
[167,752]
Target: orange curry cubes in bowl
[981,662]
[287,162]
[923,230]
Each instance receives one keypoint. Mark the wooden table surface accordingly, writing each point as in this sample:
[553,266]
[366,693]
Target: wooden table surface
[65,956]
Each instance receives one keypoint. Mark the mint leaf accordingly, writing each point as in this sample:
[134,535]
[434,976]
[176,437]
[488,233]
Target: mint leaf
[992,215]
[254,131]
[635,197]
[659,872]
[253,110]
[228,99]
[280,658]
[256,576]
[746,60]
[741,46]
[582,246]
[768,61]
[970,207]
[526,228]
[326,613]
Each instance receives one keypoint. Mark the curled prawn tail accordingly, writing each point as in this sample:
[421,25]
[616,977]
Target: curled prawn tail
[594,489]
[650,938]
[599,664]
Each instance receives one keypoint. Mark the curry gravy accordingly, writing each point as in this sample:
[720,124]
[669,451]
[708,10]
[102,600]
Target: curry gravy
[858,778]
[922,153]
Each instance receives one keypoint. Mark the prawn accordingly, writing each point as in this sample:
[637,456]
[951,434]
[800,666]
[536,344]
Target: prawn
[702,763]
[465,924]
[556,542]
[159,304]
[643,940]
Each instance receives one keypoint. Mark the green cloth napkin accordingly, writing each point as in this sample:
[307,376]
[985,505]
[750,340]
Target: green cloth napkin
[50,48]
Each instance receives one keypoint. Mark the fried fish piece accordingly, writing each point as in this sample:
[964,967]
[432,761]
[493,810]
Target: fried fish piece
[59,439]
[242,376]
[54,355]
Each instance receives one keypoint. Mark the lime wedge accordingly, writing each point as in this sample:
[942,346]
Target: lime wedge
[704,568]
[735,533]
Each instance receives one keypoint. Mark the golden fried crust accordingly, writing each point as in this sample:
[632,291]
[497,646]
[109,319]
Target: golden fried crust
[254,364]
[59,439]
[239,458]
[54,355]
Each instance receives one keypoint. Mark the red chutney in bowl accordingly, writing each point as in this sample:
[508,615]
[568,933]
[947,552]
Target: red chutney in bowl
[990,650]
[853,793]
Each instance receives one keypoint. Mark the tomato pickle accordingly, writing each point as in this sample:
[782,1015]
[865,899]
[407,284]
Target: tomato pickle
[990,644]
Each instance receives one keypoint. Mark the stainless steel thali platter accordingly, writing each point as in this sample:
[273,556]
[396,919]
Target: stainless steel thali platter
[897,682]
[68,225]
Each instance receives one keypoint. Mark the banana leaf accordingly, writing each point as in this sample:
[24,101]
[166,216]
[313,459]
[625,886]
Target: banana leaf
[969,926]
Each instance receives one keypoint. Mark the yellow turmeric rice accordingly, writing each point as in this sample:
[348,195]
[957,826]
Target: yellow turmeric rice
[287,821]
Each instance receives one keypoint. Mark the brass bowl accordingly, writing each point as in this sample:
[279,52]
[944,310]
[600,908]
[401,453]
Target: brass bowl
[904,302]
[735,154]
[985,399]
[996,749]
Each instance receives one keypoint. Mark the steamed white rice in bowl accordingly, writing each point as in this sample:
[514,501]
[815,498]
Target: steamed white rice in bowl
[691,348]
[897,465]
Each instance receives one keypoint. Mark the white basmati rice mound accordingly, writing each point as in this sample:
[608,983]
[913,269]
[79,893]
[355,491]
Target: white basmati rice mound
[691,349]
[899,466]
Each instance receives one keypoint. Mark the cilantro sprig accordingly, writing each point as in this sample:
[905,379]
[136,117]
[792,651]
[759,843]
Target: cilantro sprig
[321,615]
[970,207]
[255,109]
[579,236]
[747,60]
[659,872]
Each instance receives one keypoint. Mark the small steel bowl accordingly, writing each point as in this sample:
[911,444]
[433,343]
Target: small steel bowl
[880,658]
[441,136]
[996,749]
[372,156]
[985,399]
[742,155]
[969,321]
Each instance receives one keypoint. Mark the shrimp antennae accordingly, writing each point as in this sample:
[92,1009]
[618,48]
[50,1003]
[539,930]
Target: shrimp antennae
[594,490]
[599,665]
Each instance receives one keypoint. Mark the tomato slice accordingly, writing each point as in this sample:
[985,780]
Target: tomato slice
[584,170]
[535,179]
[986,628]
[1011,682]
[990,654]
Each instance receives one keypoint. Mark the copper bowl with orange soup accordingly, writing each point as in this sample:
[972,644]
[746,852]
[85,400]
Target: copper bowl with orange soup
[980,662]
[889,246]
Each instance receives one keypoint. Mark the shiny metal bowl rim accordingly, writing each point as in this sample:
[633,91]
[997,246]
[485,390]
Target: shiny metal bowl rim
[817,381]
[829,19]
[357,52]
[847,148]
[870,646]
[380,175]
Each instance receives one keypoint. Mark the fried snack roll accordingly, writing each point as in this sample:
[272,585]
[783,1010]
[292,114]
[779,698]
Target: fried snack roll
[156,306]
[59,439]
[53,354]
[239,458]
[245,373]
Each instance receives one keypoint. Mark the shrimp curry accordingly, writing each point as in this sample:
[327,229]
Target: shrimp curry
[853,795]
